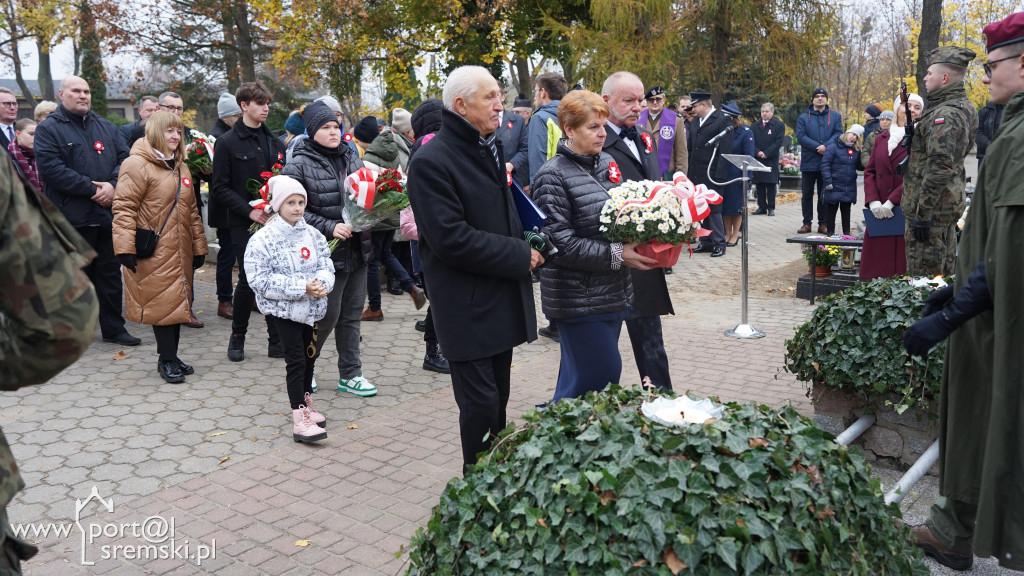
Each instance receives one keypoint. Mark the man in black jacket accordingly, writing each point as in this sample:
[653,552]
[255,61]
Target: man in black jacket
[79,155]
[475,261]
[708,124]
[147,105]
[768,135]
[228,113]
[634,151]
[243,153]
[989,119]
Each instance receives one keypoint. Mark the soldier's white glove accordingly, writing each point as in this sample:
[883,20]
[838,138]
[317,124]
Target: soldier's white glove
[876,209]
[887,207]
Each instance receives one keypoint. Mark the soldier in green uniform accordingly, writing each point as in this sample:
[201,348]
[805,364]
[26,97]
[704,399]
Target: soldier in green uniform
[48,314]
[933,188]
[981,407]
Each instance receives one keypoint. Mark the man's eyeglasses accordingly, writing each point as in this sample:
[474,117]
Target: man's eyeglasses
[656,99]
[173,108]
[9,104]
[988,65]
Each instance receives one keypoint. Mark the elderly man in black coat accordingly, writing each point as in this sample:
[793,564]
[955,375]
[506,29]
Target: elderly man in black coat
[475,260]
[768,138]
[634,150]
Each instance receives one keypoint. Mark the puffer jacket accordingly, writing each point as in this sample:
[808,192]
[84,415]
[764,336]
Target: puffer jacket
[839,168]
[580,281]
[325,197]
[279,260]
[158,292]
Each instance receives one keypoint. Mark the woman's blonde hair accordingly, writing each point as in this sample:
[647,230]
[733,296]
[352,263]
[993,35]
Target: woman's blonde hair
[157,124]
[44,109]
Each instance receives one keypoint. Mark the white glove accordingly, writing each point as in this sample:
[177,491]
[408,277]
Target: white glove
[887,207]
[876,209]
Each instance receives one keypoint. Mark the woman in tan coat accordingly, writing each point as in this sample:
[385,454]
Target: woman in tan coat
[153,192]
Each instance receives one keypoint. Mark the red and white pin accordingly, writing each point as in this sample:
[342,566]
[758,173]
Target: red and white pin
[614,174]
[304,252]
[98,146]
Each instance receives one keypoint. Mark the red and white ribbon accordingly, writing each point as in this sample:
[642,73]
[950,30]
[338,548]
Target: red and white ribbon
[263,202]
[694,202]
[361,187]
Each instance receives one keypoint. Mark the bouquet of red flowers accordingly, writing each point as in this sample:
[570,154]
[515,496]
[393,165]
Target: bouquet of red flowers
[261,193]
[373,196]
[199,152]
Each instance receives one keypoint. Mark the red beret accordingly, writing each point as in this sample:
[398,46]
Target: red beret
[1009,30]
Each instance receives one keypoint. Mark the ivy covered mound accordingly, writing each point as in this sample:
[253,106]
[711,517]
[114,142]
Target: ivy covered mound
[854,342]
[593,487]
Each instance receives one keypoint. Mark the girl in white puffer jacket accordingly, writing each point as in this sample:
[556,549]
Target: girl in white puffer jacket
[289,267]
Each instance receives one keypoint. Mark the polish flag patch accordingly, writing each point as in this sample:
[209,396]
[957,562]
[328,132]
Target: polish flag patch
[940,120]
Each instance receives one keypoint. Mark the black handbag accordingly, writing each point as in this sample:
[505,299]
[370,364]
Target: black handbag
[146,239]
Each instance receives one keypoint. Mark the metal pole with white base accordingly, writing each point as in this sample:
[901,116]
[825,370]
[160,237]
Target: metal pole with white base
[746,164]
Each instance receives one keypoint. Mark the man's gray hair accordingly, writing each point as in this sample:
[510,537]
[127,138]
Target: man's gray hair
[149,98]
[166,95]
[616,79]
[769,106]
[7,90]
[462,83]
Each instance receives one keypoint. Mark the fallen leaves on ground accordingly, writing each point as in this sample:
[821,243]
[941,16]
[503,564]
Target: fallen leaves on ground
[121,355]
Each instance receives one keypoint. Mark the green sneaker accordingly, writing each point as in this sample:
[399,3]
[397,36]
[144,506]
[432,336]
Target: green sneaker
[359,386]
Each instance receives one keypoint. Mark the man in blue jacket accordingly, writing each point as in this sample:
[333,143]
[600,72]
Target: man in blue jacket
[79,155]
[548,90]
[815,129]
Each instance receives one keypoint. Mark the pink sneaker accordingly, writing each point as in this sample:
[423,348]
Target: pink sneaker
[315,416]
[304,430]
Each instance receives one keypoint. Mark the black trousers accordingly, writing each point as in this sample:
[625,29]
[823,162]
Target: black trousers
[649,349]
[429,335]
[167,338]
[481,390]
[225,263]
[105,274]
[844,209]
[243,302]
[808,180]
[299,344]
[766,196]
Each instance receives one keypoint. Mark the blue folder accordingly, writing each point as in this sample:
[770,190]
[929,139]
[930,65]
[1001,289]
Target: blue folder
[877,227]
[529,213]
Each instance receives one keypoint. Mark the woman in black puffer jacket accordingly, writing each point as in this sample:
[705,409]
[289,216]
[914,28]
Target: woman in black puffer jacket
[586,288]
[320,163]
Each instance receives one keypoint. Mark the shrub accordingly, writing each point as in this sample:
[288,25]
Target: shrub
[592,487]
[854,342]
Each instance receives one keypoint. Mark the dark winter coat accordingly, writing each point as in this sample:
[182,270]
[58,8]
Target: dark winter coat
[814,128]
[513,134]
[768,139]
[650,290]
[839,169]
[701,154]
[475,260]
[239,155]
[68,162]
[989,119]
[883,256]
[581,281]
[742,142]
[325,196]
[219,128]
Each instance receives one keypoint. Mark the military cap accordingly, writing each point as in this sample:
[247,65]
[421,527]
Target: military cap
[954,55]
[1009,30]
[522,102]
[731,109]
[654,91]
[699,96]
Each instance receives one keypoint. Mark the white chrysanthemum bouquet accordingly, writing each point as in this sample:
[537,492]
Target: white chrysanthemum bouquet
[655,213]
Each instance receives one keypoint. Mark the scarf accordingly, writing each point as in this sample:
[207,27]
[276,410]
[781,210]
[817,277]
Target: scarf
[896,134]
[26,159]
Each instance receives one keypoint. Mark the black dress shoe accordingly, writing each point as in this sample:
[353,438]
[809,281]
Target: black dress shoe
[421,325]
[701,248]
[771,212]
[124,339]
[758,212]
[730,244]
[184,368]
[668,270]
[169,372]
[718,251]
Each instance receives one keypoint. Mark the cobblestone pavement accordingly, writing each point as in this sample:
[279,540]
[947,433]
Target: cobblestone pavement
[213,455]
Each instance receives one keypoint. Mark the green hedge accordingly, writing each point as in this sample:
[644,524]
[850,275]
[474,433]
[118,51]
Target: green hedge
[592,487]
[854,342]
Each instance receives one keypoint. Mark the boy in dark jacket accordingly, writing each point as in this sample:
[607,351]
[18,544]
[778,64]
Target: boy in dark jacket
[839,171]
[243,153]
